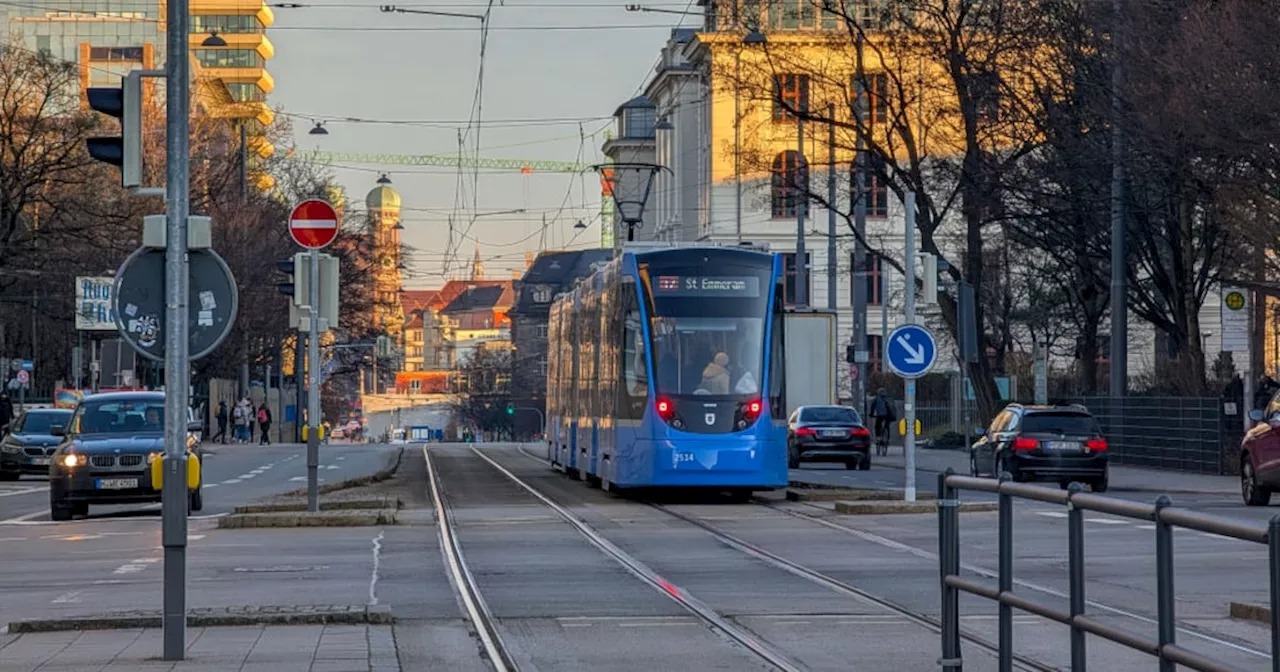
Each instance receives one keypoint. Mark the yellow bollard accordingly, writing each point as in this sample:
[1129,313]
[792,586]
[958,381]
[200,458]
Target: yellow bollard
[902,427]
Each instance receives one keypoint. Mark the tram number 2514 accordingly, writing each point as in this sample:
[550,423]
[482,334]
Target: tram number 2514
[681,457]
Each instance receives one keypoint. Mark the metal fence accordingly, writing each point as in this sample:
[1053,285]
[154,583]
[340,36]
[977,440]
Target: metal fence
[1191,434]
[1165,516]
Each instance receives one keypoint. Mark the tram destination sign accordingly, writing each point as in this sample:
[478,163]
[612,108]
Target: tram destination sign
[705,285]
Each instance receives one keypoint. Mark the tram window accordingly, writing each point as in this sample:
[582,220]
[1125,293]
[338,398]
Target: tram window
[637,375]
[708,355]
[777,351]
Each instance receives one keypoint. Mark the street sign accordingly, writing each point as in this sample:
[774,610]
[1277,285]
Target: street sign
[139,298]
[1234,320]
[911,351]
[313,224]
[23,377]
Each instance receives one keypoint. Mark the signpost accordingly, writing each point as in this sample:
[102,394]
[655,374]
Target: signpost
[910,350]
[313,225]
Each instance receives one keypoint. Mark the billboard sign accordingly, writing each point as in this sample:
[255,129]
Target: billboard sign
[93,304]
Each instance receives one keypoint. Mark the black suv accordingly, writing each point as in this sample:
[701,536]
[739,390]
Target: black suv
[1043,443]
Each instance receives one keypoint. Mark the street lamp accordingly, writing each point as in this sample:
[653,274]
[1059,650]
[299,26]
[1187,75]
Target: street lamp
[319,129]
[630,185]
[213,40]
[580,225]
[384,179]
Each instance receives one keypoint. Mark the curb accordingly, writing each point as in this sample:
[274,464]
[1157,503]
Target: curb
[209,618]
[349,518]
[1155,491]
[376,477]
[878,507]
[1251,612]
[852,494]
[371,504]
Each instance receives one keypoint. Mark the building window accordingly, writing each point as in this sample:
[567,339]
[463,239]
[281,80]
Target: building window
[245,93]
[638,122]
[115,54]
[791,14]
[789,277]
[541,294]
[984,89]
[43,45]
[415,387]
[874,280]
[225,24]
[876,183]
[790,188]
[875,103]
[229,58]
[542,366]
[540,332]
[875,354]
[790,94]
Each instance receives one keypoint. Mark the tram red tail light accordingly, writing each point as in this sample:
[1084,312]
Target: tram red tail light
[666,410]
[752,410]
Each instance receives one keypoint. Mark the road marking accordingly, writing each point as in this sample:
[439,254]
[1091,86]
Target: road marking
[1051,514]
[1147,526]
[13,538]
[377,561]
[25,516]
[25,491]
[330,466]
[1107,521]
[194,537]
[68,598]
[231,481]
[211,485]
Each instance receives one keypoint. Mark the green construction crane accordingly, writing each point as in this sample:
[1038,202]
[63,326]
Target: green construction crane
[449,161]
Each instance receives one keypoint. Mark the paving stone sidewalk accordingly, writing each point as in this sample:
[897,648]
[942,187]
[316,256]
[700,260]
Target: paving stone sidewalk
[286,648]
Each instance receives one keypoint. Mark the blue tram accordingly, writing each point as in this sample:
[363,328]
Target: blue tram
[665,370]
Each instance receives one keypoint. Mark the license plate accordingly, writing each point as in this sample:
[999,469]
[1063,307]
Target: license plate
[834,432]
[117,483]
[1062,445]
[40,461]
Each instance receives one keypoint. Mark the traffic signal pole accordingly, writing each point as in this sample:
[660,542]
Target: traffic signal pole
[313,398]
[177,367]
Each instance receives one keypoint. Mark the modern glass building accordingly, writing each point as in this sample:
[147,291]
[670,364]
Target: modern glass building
[108,38]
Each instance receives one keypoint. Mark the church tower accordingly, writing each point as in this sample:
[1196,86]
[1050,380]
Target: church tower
[477,266]
[383,208]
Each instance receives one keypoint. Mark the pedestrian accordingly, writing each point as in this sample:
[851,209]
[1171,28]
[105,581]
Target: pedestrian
[6,413]
[264,422]
[1267,388]
[221,418]
[242,413]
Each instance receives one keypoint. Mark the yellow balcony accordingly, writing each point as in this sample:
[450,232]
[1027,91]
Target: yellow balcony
[261,146]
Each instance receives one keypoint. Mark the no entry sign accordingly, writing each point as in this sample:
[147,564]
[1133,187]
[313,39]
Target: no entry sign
[313,224]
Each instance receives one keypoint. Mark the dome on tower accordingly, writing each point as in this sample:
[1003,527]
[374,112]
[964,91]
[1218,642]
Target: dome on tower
[382,197]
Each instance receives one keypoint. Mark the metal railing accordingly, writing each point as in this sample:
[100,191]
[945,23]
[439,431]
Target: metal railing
[1165,516]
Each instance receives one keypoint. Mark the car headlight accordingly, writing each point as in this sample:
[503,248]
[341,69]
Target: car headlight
[10,448]
[74,460]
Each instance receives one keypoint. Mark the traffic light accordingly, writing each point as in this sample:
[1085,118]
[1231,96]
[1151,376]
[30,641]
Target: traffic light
[288,268]
[125,151]
[511,409]
[929,273]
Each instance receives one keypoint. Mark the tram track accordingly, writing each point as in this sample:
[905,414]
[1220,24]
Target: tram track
[796,569]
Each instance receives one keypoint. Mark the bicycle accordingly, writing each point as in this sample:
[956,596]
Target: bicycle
[882,437]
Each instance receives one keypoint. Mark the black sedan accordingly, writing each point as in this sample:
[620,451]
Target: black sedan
[828,434]
[28,446]
[106,453]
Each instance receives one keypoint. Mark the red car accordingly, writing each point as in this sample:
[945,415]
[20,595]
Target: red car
[1260,457]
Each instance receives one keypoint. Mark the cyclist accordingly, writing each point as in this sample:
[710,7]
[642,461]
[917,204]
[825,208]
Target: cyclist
[883,413]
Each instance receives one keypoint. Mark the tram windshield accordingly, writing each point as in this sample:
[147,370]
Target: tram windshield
[707,323]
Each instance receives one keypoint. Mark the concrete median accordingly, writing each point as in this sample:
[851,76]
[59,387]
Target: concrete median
[339,518]
[848,494]
[877,507]
[217,617]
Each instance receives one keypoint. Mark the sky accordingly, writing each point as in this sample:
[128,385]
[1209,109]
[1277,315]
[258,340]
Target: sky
[565,64]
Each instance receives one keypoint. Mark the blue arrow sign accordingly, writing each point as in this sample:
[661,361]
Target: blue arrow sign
[911,351]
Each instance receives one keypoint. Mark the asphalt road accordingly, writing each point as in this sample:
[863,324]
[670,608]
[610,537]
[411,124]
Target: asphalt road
[111,561]
[562,604]
[233,475]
